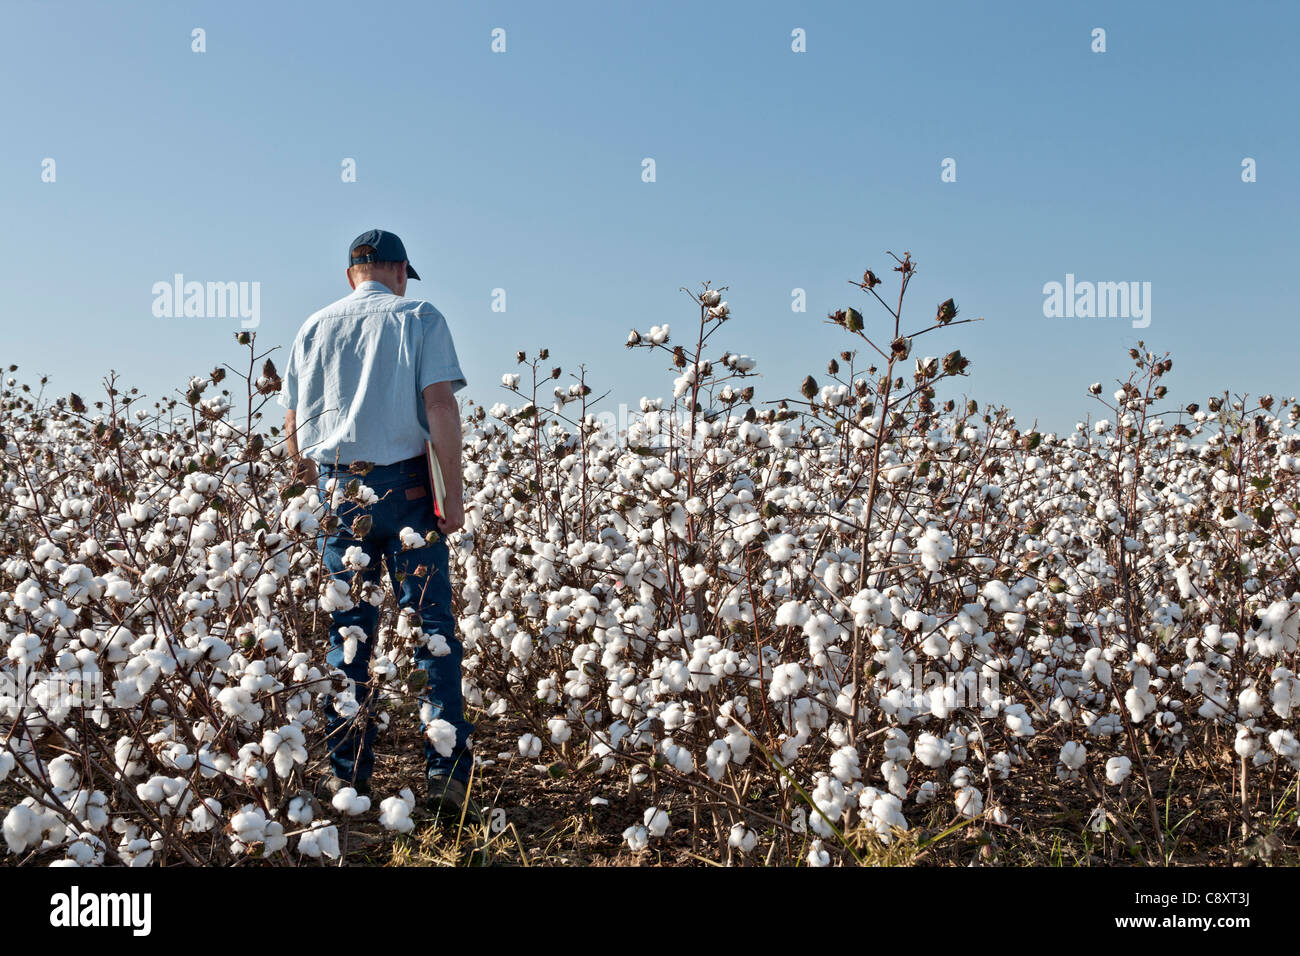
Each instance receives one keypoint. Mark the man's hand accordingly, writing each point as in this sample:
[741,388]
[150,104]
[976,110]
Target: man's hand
[454,519]
[304,468]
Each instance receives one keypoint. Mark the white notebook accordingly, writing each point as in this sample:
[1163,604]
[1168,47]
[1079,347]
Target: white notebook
[435,473]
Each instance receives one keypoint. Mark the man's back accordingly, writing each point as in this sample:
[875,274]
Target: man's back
[356,371]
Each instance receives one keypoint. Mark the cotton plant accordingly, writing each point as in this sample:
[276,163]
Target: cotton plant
[726,566]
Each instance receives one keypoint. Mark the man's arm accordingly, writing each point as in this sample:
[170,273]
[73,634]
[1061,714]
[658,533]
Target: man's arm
[303,468]
[444,431]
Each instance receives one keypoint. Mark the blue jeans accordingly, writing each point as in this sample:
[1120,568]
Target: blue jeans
[404,501]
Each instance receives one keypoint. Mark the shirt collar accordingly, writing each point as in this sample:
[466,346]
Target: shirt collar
[373,285]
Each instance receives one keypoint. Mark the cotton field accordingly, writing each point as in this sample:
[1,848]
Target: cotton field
[809,627]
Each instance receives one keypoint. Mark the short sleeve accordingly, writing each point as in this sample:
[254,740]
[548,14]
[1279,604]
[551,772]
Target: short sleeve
[438,362]
[289,380]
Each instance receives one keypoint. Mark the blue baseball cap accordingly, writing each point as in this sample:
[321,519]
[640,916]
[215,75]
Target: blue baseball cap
[388,248]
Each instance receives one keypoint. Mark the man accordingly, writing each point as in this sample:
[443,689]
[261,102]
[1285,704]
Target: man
[367,380]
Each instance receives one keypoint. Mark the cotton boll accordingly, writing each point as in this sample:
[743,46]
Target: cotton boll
[1249,703]
[442,735]
[274,840]
[205,815]
[932,751]
[1018,720]
[560,730]
[656,821]
[662,479]
[1282,624]
[286,747]
[637,838]
[1286,746]
[530,746]
[395,812]
[845,764]
[152,790]
[716,759]
[1118,769]
[817,856]
[321,840]
[352,637]
[787,680]
[300,811]
[780,548]
[742,838]
[88,850]
[883,812]
[969,802]
[137,852]
[1073,755]
[1139,704]
[896,745]
[792,613]
[1246,744]
[739,743]
[943,701]
[348,801]
[999,596]
[22,828]
[1284,695]
[679,757]
[935,645]
[63,772]
[926,793]
[25,649]
[895,776]
[249,825]
[1096,667]
[935,548]
[676,676]
[410,539]
[830,798]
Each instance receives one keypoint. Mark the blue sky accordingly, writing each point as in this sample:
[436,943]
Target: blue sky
[775,170]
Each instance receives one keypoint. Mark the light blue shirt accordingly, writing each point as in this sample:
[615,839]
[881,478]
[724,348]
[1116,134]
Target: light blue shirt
[356,373]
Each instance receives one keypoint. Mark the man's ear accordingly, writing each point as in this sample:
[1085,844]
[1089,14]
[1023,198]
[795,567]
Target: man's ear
[351,281]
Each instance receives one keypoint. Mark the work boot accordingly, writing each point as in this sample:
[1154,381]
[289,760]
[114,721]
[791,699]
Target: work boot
[447,796]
